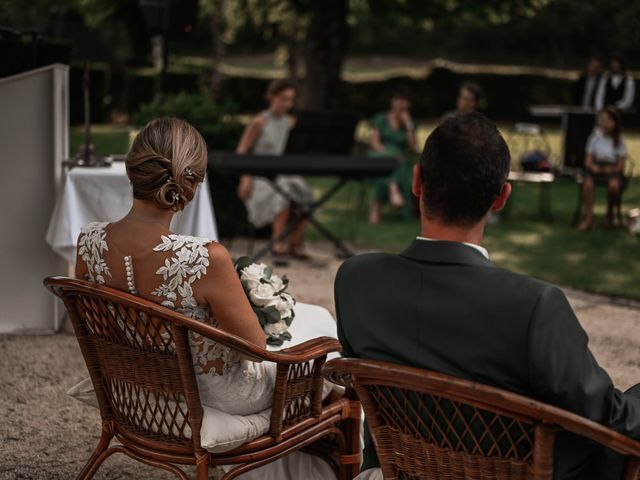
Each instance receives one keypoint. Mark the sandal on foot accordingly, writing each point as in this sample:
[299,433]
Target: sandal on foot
[299,254]
[584,226]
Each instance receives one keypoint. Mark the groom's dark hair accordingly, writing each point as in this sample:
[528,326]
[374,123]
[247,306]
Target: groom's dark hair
[465,163]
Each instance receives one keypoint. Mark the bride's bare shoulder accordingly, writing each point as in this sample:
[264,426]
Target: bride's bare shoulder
[219,271]
[218,254]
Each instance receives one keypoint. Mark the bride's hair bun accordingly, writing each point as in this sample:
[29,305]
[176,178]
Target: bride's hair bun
[167,161]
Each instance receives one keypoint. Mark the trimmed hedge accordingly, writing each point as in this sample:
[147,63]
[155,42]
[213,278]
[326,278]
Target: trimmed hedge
[507,97]
[215,121]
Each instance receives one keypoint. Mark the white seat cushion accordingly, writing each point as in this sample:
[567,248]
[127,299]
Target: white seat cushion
[370,474]
[221,432]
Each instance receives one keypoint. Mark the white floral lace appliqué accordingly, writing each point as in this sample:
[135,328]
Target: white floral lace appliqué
[188,264]
[92,244]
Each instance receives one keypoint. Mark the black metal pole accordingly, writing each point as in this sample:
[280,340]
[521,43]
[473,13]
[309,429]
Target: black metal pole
[87,114]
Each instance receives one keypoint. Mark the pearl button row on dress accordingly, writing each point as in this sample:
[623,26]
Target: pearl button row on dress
[128,266]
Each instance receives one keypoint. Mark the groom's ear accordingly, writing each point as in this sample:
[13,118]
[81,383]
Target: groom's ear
[416,183]
[503,197]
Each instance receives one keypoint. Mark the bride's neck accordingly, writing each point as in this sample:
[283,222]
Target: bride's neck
[146,212]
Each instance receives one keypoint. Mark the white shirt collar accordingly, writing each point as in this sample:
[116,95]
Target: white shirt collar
[479,248]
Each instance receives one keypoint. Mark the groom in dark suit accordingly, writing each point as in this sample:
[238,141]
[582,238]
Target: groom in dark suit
[442,305]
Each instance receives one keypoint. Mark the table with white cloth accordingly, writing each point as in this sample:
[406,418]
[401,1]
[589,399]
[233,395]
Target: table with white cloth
[103,194]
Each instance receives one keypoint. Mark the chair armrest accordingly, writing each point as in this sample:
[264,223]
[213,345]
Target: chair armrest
[299,383]
[610,439]
[303,352]
[602,435]
[337,376]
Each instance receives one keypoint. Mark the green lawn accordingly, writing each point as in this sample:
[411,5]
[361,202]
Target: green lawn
[108,139]
[599,261]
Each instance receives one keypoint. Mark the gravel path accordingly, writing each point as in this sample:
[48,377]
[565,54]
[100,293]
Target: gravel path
[46,435]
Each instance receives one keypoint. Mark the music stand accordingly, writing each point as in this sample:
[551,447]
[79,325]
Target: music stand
[577,126]
[322,133]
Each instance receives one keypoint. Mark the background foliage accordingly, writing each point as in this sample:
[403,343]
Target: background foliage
[215,121]
[550,32]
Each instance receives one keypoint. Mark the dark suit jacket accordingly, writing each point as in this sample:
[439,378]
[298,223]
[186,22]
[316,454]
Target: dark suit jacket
[578,91]
[443,306]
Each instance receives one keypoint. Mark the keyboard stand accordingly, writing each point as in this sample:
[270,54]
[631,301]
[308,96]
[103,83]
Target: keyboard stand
[306,213]
[345,167]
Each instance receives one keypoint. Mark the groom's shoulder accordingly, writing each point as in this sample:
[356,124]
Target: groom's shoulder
[364,262]
[522,289]
[519,281]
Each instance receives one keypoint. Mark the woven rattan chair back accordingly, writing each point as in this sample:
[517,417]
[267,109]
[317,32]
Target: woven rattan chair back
[427,425]
[140,364]
[138,355]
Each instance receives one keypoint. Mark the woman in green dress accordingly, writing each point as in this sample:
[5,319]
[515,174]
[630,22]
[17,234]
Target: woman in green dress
[393,134]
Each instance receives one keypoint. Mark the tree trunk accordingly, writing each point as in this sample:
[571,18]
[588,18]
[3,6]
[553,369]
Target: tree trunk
[218,26]
[294,51]
[327,41]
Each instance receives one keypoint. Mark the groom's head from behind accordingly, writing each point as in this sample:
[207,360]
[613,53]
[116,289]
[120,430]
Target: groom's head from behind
[463,172]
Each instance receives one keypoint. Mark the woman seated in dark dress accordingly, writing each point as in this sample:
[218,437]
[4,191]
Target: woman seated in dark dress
[604,163]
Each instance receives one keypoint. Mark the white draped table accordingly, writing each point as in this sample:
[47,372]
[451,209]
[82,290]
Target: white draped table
[104,195]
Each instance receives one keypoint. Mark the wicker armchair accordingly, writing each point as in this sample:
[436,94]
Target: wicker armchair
[139,360]
[427,425]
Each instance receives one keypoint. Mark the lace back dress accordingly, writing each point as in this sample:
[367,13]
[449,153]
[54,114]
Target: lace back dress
[225,381]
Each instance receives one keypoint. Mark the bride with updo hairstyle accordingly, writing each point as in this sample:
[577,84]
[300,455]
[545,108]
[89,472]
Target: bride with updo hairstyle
[139,254]
[167,162]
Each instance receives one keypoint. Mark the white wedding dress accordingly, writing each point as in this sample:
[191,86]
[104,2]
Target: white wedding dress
[225,381]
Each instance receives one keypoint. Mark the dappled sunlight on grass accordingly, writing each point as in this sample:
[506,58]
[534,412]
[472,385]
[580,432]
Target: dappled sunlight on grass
[575,258]
[600,261]
[524,239]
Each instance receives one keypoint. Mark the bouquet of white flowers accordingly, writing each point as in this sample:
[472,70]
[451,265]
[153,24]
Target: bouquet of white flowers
[268,296]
